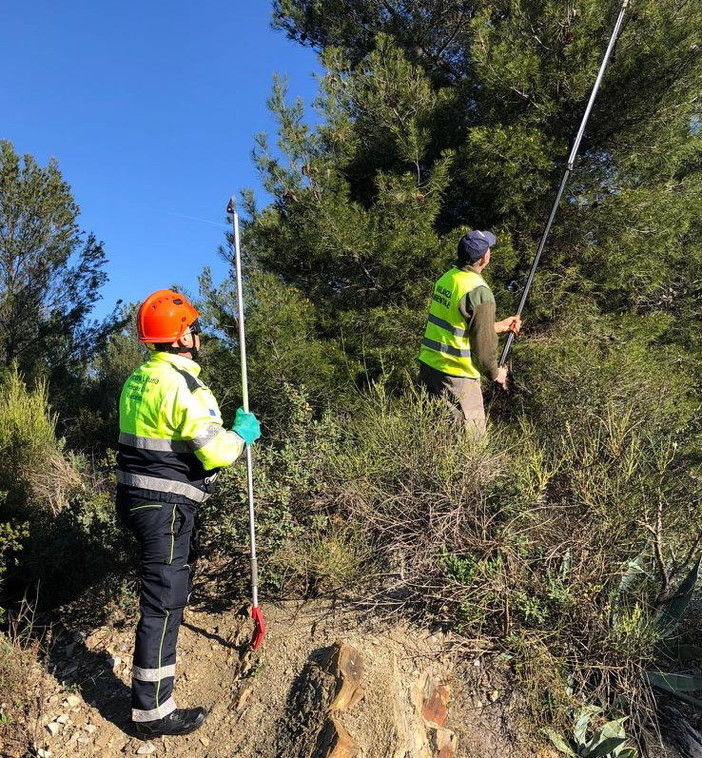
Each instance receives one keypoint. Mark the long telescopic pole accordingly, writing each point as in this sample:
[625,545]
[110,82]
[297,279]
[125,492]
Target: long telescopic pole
[564,180]
[256,613]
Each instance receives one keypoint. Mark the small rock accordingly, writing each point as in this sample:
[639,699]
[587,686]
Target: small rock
[114,662]
[78,718]
[90,728]
[102,739]
[53,728]
[204,741]
[493,696]
[445,743]
[243,698]
[64,718]
[42,753]
[72,701]
[146,749]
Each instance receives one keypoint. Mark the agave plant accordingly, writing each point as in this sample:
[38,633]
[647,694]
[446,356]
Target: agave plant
[668,620]
[609,741]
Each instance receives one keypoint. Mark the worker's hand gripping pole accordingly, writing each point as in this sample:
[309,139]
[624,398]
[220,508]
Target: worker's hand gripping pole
[256,613]
[564,180]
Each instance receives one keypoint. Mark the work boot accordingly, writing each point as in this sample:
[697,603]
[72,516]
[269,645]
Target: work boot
[179,721]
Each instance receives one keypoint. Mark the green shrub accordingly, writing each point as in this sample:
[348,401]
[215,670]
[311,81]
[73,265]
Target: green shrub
[289,475]
[607,741]
[33,470]
[57,523]
[12,537]
[586,366]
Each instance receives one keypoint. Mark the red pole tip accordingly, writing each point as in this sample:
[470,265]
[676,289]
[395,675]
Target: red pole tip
[259,627]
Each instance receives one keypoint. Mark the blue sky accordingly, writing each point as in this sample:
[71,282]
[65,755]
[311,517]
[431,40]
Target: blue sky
[151,111]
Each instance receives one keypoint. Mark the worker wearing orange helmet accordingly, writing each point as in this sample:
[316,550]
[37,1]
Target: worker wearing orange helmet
[172,443]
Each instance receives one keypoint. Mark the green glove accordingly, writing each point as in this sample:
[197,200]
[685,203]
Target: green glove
[246,426]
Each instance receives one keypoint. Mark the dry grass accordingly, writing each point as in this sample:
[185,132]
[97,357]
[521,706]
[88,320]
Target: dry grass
[518,544]
[55,483]
[22,684]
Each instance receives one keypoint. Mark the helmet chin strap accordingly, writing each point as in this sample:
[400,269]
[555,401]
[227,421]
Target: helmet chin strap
[191,352]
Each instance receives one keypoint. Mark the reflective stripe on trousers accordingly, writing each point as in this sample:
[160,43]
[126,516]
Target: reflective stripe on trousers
[166,535]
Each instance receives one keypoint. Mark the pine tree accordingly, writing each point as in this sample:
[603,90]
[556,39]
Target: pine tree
[440,117]
[50,272]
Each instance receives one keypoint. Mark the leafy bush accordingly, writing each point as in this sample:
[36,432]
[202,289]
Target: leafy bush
[12,536]
[289,474]
[32,465]
[57,524]
[586,366]
[525,537]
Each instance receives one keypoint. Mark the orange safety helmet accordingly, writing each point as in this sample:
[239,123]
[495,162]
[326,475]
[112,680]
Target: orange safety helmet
[164,316]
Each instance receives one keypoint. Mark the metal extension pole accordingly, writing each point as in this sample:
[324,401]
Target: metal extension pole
[564,180]
[256,613]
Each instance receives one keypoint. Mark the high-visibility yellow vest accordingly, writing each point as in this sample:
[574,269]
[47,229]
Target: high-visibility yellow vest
[171,438]
[446,346]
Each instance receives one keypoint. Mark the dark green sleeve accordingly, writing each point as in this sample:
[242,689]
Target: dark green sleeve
[480,315]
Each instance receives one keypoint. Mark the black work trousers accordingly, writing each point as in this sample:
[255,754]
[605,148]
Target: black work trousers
[167,537]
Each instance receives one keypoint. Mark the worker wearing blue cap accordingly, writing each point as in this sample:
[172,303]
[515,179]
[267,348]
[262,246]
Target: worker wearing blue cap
[460,340]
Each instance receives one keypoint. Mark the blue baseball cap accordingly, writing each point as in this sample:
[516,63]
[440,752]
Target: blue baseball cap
[475,244]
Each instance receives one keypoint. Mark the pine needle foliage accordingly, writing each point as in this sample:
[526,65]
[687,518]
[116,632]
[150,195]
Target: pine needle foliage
[434,118]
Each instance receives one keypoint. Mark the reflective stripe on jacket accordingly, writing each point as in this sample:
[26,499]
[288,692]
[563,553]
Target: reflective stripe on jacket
[446,346]
[171,440]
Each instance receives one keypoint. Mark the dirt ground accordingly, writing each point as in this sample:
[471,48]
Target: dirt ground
[258,704]
[254,707]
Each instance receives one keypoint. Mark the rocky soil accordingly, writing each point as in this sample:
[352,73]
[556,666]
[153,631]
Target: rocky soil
[328,682]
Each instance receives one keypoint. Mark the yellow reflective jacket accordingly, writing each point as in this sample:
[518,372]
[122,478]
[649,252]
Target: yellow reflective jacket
[446,346]
[171,438]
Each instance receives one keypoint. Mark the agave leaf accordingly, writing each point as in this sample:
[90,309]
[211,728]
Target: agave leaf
[687,698]
[559,743]
[628,752]
[680,652]
[613,728]
[566,564]
[634,568]
[660,681]
[674,682]
[640,565]
[581,723]
[605,748]
[672,610]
